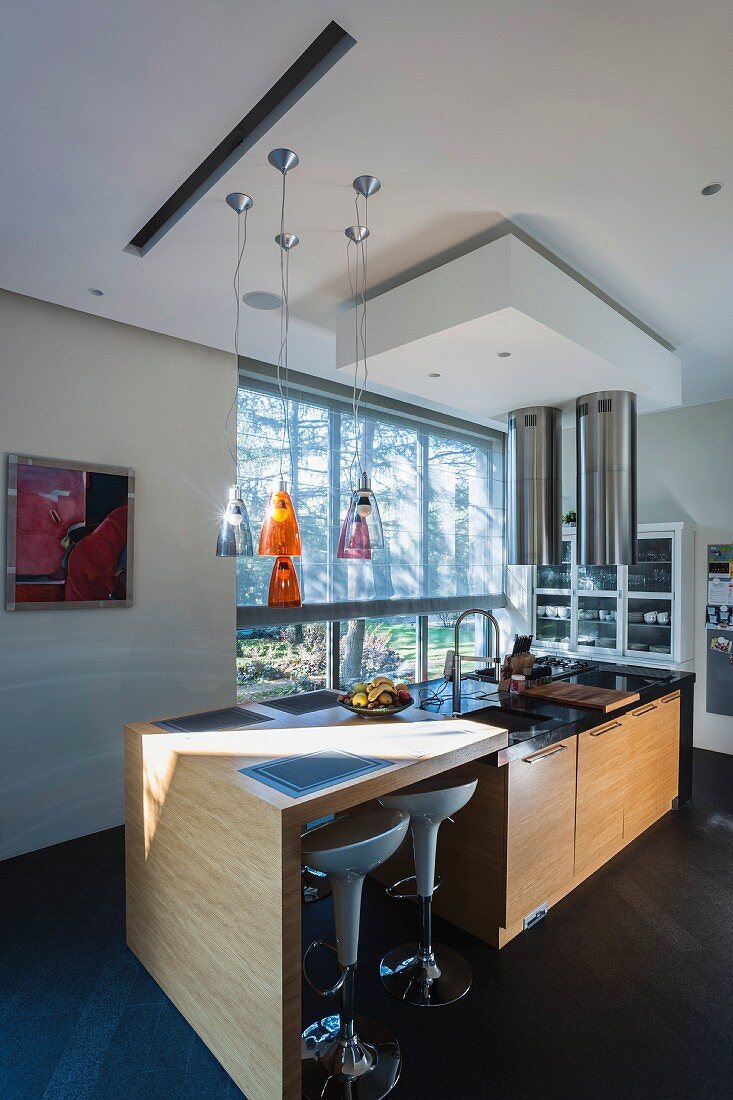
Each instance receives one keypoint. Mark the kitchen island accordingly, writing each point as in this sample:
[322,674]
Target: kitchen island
[213,852]
[213,860]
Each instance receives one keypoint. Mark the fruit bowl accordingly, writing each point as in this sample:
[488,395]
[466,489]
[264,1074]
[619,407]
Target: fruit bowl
[376,712]
[379,698]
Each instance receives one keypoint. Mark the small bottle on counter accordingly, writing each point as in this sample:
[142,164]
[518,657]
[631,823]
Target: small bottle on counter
[517,683]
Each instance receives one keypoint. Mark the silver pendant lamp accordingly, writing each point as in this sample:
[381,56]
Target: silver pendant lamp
[361,530]
[234,539]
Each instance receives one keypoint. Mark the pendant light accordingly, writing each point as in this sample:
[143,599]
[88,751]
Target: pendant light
[280,534]
[361,530]
[234,539]
[284,590]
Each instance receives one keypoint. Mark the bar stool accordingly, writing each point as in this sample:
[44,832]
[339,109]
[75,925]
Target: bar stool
[344,1056]
[314,885]
[424,973]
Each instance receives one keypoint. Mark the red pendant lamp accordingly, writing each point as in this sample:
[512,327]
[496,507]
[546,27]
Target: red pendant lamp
[284,589]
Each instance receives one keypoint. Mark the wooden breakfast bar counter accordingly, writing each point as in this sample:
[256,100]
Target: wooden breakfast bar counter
[213,864]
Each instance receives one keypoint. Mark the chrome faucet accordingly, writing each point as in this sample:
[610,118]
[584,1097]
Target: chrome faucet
[457,658]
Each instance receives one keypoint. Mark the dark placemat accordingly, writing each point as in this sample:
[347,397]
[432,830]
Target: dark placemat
[304,704]
[228,720]
[300,775]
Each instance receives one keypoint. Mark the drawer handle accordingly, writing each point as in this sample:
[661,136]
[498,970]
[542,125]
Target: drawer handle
[544,754]
[646,710]
[606,729]
[672,698]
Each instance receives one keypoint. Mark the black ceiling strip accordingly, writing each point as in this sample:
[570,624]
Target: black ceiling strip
[323,52]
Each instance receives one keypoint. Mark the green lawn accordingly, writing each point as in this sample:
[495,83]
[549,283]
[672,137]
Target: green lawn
[402,639]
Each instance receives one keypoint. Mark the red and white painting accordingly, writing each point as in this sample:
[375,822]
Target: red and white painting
[69,541]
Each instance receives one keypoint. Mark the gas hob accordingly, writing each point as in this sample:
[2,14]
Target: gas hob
[558,666]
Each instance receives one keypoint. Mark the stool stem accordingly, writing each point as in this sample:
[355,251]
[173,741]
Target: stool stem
[346,1030]
[425,906]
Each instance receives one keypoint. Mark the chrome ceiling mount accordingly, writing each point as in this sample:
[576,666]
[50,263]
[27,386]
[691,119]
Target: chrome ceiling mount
[366,185]
[284,160]
[239,201]
[357,233]
[287,241]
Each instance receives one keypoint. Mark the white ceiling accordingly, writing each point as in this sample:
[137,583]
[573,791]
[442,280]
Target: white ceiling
[591,126]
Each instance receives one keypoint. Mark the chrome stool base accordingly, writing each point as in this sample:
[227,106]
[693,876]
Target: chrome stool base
[366,1067]
[440,979]
[314,885]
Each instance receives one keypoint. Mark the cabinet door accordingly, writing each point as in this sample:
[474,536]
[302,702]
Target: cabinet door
[599,820]
[668,751]
[640,796]
[540,827]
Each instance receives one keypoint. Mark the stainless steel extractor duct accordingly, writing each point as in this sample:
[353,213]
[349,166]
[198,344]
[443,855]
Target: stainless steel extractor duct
[606,453]
[534,487]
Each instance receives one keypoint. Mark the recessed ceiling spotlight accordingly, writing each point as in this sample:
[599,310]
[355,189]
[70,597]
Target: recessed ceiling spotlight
[262,299]
[712,189]
[503,354]
[97,293]
[434,374]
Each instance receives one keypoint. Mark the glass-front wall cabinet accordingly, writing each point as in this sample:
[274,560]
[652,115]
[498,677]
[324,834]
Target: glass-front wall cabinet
[553,625]
[650,611]
[613,610]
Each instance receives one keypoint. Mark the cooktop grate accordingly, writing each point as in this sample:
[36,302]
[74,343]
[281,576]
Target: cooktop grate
[303,704]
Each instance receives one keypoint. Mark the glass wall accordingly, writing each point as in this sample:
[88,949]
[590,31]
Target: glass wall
[374,647]
[281,660]
[441,496]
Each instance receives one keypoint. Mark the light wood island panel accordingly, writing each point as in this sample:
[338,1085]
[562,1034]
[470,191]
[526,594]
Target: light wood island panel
[213,868]
[537,827]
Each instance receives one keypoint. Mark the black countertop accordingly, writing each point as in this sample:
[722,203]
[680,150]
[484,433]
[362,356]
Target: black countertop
[558,722]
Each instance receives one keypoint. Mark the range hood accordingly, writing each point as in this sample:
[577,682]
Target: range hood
[534,487]
[606,456]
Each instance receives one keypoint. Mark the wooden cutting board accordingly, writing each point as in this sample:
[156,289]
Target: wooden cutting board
[581,695]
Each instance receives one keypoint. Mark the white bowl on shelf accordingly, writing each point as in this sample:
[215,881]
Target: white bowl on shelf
[563,612]
[663,618]
[650,617]
[541,612]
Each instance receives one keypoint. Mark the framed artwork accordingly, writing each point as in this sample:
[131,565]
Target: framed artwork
[69,534]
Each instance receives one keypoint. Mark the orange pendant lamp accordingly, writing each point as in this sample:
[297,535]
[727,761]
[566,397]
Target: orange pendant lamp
[284,589]
[280,533]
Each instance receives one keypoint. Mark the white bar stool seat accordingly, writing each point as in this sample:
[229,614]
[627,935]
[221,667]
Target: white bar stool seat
[424,973]
[343,1056]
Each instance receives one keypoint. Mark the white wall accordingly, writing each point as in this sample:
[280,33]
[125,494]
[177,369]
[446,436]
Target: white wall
[79,387]
[684,474]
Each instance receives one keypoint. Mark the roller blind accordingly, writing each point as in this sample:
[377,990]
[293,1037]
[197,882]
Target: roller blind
[440,486]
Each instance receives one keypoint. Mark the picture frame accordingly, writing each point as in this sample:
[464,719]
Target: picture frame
[69,535]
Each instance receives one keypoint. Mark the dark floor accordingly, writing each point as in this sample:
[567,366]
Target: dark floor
[624,991]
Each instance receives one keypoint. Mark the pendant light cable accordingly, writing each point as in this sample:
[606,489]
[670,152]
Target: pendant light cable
[358,289]
[241,245]
[282,359]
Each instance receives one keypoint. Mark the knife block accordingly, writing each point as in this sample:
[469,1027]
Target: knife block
[523,662]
